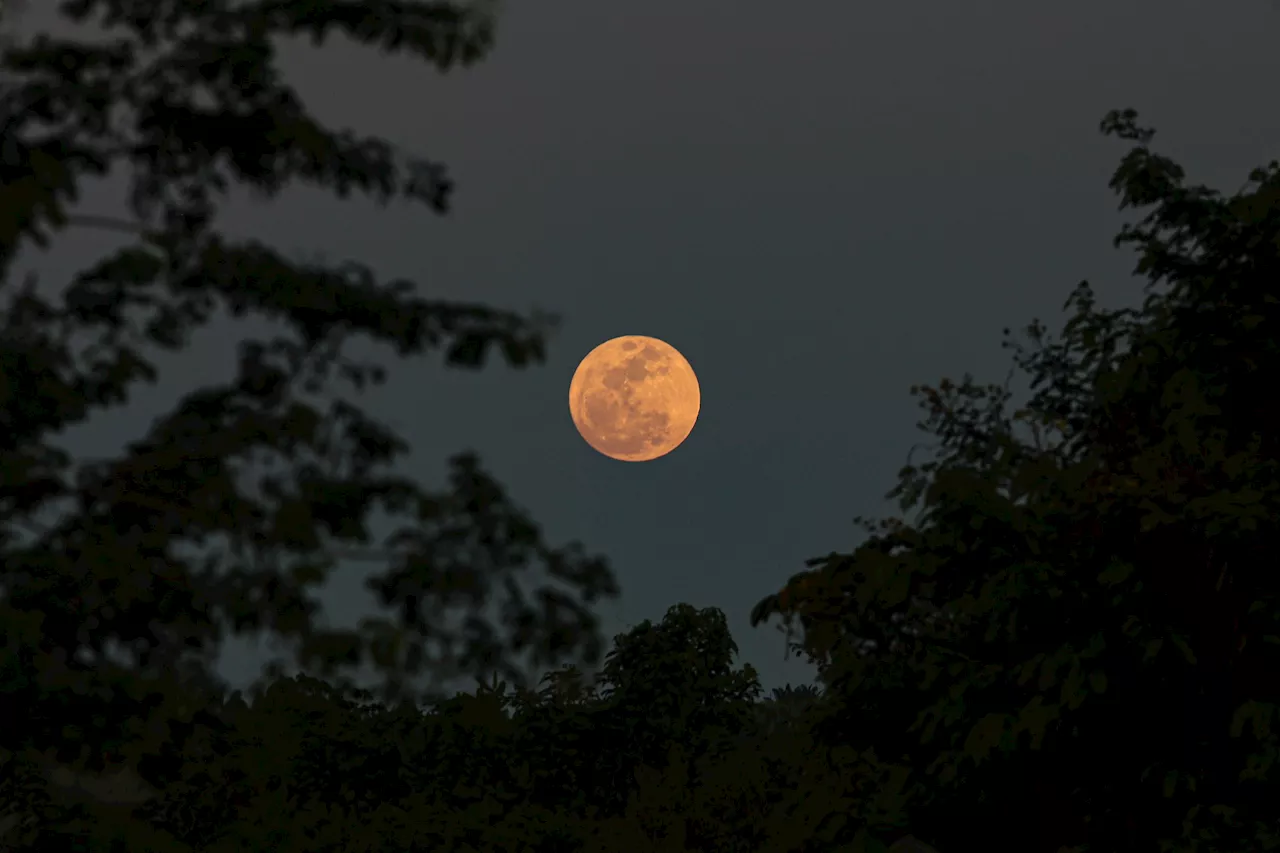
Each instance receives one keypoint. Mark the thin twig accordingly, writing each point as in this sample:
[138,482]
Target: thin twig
[107,222]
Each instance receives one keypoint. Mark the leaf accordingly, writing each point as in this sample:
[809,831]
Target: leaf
[1116,572]
[985,736]
[1181,645]
[1035,719]
[1258,715]
[1029,668]
[1098,681]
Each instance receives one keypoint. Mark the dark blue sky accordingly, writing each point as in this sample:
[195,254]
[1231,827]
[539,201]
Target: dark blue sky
[818,207]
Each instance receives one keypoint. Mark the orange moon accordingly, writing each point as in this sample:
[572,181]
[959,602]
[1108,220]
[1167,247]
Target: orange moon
[634,398]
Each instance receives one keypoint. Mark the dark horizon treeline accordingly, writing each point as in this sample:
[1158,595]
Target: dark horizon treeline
[670,746]
[1068,641]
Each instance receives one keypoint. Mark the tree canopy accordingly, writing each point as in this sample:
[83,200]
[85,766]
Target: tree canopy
[1073,642]
[579,764]
[122,577]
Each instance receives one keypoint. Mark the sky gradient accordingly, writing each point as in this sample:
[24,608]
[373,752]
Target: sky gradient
[818,209]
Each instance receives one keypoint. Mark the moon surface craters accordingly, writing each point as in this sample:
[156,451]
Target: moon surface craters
[634,398]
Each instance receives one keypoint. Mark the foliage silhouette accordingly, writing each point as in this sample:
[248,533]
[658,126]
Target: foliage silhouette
[122,577]
[309,765]
[720,768]
[1073,645]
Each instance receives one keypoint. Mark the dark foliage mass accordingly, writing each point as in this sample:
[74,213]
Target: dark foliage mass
[1075,641]
[121,577]
[1069,641]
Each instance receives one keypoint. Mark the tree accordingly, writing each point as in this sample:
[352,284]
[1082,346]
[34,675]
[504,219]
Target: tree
[676,682]
[665,687]
[671,747]
[1073,643]
[307,765]
[305,762]
[121,577]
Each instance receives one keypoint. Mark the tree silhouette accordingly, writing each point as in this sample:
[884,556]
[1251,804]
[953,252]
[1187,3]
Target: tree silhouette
[1072,645]
[304,762]
[122,577]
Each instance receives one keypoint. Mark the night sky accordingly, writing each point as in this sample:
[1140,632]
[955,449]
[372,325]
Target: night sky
[819,207]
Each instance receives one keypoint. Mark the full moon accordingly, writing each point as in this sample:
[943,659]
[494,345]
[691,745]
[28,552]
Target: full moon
[634,398]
